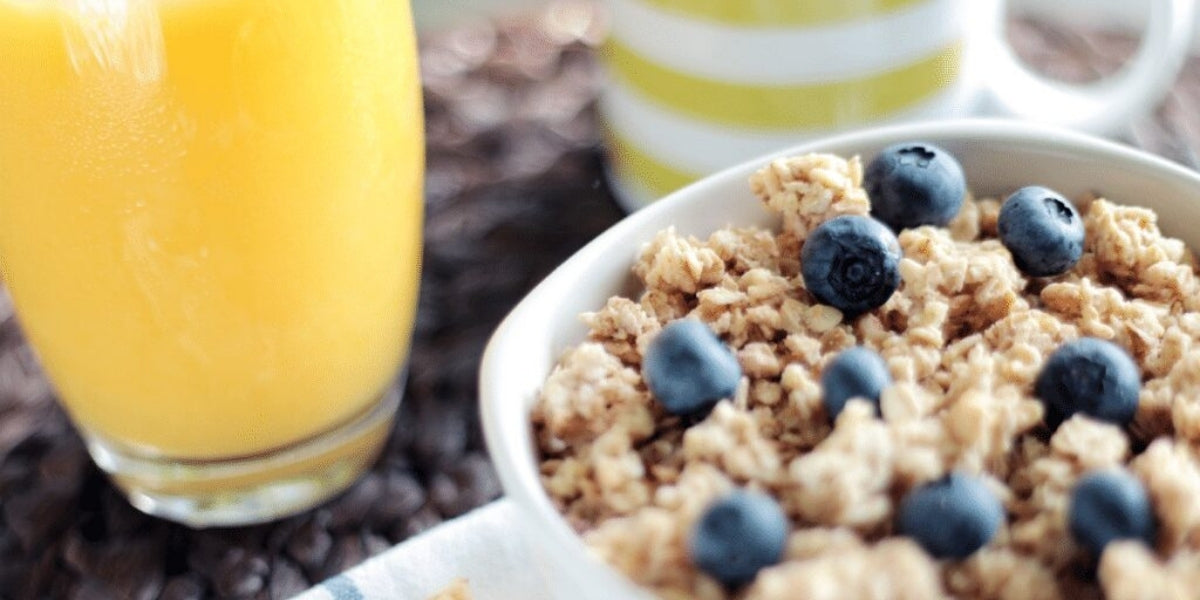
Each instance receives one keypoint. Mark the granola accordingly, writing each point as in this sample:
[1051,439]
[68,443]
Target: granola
[457,589]
[964,338]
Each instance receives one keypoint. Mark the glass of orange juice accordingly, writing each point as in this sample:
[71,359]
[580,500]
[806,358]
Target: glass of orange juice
[210,226]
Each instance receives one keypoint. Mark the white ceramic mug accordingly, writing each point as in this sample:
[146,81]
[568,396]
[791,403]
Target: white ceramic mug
[698,85]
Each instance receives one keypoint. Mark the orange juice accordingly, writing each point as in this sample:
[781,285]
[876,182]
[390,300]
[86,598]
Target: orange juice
[210,212]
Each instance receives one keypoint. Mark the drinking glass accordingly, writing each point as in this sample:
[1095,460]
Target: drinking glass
[210,226]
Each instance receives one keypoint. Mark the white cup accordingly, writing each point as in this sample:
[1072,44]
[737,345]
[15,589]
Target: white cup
[697,85]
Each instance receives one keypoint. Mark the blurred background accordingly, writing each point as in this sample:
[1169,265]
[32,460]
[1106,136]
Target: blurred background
[437,14]
[1113,14]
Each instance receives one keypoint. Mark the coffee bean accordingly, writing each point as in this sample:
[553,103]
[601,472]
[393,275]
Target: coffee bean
[127,568]
[310,545]
[442,436]
[241,574]
[90,589]
[183,587]
[375,544]
[476,479]
[422,520]
[347,552]
[351,508]
[38,514]
[402,496]
[286,579]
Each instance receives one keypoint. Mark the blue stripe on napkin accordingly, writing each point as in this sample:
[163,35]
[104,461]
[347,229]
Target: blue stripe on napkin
[342,587]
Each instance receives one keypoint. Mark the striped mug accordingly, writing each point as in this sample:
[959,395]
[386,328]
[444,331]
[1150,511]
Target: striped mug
[698,85]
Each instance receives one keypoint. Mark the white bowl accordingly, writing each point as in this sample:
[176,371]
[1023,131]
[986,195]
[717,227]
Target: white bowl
[997,156]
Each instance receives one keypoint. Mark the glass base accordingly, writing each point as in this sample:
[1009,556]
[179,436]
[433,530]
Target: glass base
[251,489]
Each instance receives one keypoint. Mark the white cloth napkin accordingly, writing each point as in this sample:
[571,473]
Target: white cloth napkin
[483,546]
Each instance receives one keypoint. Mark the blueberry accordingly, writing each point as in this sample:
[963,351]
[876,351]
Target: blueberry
[1042,230]
[1091,376]
[914,184]
[1110,505]
[854,373]
[688,368]
[851,263]
[951,517]
[737,536]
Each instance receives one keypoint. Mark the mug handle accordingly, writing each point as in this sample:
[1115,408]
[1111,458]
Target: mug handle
[1105,107]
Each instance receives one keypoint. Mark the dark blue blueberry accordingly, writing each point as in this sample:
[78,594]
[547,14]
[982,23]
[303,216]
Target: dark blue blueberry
[851,263]
[914,184]
[737,536]
[688,368]
[854,373]
[1042,230]
[951,517]
[1089,376]
[1110,505]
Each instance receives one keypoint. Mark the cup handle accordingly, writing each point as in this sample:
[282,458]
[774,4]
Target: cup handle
[1105,107]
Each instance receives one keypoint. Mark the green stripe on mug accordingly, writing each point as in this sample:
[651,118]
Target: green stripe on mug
[781,13]
[806,106]
[637,165]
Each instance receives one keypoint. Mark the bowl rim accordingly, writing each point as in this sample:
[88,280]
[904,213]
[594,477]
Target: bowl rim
[512,450]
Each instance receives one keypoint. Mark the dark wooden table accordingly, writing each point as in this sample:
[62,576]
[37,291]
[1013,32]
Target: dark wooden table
[514,186]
